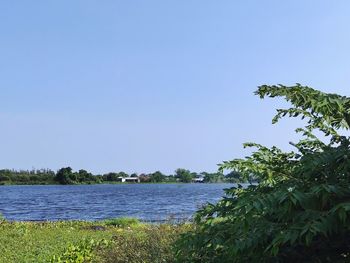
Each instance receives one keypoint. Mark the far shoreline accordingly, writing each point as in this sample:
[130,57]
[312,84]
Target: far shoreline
[120,183]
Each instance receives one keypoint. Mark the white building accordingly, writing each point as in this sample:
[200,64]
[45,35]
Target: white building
[198,180]
[129,179]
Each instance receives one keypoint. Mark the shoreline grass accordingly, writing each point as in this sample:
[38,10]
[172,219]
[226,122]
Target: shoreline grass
[112,240]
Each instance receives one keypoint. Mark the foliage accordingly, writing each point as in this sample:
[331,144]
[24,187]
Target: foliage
[151,244]
[79,241]
[122,222]
[183,175]
[300,210]
[110,177]
[42,176]
[83,252]
[233,177]
[144,178]
[213,177]
[157,177]
[37,242]
[66,176]
[85,176]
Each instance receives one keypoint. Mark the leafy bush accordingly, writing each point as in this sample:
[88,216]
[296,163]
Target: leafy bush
[83,252]
[300,211]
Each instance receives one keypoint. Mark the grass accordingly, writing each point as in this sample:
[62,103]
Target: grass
[115,240]
[38,242]
[122,222]
[154,244]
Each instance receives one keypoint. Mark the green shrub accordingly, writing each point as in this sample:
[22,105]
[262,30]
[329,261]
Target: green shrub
[300,211]
[83,252]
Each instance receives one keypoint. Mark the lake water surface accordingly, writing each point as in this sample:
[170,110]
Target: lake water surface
[148,202]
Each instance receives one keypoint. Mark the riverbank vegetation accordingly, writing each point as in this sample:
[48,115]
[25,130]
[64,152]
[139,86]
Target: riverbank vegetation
[300,211]
[66,176]
[118,240]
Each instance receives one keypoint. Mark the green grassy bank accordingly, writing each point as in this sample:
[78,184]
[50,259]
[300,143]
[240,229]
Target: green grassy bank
[115,240]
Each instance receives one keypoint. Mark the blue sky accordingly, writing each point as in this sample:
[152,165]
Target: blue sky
[151,85]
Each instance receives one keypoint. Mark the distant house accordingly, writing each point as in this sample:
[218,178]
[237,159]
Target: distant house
[129,179]
[198,180]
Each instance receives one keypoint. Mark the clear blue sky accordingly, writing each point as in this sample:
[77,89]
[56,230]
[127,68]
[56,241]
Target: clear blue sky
[151,85]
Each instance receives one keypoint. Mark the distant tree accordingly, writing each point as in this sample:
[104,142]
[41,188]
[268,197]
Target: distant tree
[84,176]
[4,178]
[65,176]
[144,178]
[5,172]
[157,177]
[169,178]
[213,177]
[195,175]
[123,174]
[110,177]
[22,178]
[34,178]
[134,175]
[183,175]
[234,177]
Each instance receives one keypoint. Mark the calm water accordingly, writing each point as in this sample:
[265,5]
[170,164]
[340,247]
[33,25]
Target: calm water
[149,202]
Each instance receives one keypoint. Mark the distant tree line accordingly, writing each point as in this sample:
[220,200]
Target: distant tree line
[66,176]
